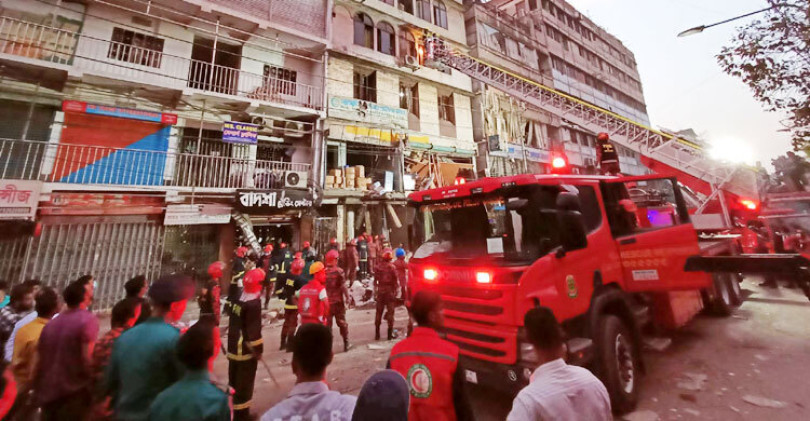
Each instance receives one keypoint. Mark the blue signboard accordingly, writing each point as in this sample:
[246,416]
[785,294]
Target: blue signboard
[243,133]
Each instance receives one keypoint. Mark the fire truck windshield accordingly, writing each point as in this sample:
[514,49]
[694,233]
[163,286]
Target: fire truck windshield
[516,227]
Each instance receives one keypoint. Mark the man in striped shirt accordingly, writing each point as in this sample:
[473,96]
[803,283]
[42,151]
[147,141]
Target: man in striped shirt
[557,391]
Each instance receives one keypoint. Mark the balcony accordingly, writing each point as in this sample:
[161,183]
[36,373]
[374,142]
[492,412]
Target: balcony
[80,54]
[99,165]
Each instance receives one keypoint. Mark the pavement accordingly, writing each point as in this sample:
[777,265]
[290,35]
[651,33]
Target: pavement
[754,365]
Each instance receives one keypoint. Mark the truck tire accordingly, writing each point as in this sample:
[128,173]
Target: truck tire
[618,363]
[722,303]
[736,288]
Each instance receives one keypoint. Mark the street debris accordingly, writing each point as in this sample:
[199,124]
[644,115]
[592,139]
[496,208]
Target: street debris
[763,401]
[687,397]
[376,347]
[761,357]
[692,412]
[643,415]
[734,409]
[657,344]
[692,382]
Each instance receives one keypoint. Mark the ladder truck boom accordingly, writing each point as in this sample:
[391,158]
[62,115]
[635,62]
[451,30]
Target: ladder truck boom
[661,152]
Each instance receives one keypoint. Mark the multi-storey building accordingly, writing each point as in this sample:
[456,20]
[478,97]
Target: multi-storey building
[405,124]
[550,42]
[136,132]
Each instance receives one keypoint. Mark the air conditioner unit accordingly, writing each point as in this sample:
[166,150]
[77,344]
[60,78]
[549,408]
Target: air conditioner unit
[257,120]
[294,129]
[296,179]
[412,62]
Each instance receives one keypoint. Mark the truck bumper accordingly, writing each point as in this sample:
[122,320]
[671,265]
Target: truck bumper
[502,377]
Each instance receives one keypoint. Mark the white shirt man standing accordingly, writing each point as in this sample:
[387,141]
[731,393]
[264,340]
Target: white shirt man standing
[557,391]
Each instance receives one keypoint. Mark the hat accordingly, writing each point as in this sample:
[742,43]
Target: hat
[171,288]
[400,252]
[215,269]
[602,136]
[253,280]
[332,256]
[241,251]
[297,266]
[333,240]
[385,396]
[388,254]
[306,244]
[268,248]
[315,268]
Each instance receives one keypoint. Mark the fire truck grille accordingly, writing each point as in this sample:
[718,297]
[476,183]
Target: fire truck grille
[480,350]
[474,336]
[473,308]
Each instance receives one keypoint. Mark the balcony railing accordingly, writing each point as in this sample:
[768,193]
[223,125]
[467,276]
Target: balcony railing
[83,164]
[127,62]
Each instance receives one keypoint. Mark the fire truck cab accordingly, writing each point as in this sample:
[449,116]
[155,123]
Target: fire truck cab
[605,254]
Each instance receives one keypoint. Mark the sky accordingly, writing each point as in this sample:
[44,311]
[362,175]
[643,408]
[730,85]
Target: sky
[684,87]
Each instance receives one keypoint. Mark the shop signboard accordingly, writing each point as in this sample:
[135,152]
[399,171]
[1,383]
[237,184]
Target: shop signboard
[112,111]
[199,214]
[367,112]
[272,200]
[71,203]
[19,199]
[241,133]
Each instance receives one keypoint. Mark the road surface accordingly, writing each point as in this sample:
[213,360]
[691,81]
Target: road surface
[754,365]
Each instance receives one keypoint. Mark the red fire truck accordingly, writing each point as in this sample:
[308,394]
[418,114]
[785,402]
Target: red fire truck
[606,254]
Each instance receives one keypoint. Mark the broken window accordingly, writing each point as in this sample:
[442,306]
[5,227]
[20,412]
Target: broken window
[363,30]
[385,38]
[447,111]
[365,86]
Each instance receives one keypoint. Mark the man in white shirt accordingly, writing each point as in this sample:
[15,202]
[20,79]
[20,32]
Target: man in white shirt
[311,398]
[557,391]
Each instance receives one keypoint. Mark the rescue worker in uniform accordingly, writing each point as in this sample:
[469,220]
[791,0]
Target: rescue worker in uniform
[402,273]
[282,259]
[313,303]
[288,286]
[430,365]
[245,344]
[338,296]
[374,252]
[333,245]
[237,272]
[352,261]
[210,292]
[607,155]
[386,285]
[270,274]
[307,253]
[362,253]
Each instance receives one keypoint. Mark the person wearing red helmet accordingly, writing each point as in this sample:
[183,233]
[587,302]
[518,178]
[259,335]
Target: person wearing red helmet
[245,344]
[607,155]
[333,245]
[270,274]
[210,292]
[352,261]
[386,285]
[313,301]
[338,296]
[289,284]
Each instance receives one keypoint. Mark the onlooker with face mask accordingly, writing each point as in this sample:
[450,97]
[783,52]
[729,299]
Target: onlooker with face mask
[143,361]
[63,378]
[20,305]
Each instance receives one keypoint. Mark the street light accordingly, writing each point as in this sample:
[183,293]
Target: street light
[701,28]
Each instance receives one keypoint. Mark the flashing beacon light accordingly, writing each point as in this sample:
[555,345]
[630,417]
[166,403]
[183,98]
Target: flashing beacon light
[558,162]
[749,204]
[431,274]
[459,181]
[483,277]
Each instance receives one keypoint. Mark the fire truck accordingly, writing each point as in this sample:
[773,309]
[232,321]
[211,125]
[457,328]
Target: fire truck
[608,255]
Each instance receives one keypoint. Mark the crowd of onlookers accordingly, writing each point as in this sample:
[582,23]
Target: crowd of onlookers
[57,367]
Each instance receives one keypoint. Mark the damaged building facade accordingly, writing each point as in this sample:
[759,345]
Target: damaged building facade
[549,42]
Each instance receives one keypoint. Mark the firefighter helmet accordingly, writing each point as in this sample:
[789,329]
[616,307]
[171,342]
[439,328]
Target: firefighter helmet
[332,257]
[602,137]
[252,281]
[315,268]
[388,254]
[297,266]
[215,269]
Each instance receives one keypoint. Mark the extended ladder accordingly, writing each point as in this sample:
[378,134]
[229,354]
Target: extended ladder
[681,156]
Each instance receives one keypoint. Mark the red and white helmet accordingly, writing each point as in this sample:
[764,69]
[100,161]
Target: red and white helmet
[252,282]
[241,251]
[268,249]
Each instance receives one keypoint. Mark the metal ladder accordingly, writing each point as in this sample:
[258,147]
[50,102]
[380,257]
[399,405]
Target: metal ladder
[679,154]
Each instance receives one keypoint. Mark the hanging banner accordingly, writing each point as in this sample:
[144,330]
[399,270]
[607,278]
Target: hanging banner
[19,199]
[272,201]
[242,133]
[367,112]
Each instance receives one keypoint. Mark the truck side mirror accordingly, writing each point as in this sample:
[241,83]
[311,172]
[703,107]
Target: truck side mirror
[573,235]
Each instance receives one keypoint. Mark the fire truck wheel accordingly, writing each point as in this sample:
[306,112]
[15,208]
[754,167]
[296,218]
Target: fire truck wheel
[723,301]
[618,363]
[736,289]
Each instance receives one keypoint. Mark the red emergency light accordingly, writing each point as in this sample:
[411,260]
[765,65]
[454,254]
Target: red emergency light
[749,204]
[483,277]
[460,180]
[430,274]
[558,162]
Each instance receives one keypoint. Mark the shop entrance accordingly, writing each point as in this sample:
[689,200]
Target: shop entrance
[274,233]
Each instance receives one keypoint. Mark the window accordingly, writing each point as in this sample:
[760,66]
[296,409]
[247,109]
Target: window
[409,98]
[385,38]
[389,2]
[440,14]
[446,110]
[363,30]
[279,79]
[643,205]
[407,44]
[406,6]
[136,48]
[365,86]
[423,9]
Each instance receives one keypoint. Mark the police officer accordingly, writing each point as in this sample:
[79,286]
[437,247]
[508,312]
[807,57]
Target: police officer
[313,303]
[245,344]
[430,365]
[338,296]
[607,155]
[386,284]
[362,253]
[402,273]
[289,285]
[195,349]
[210,292]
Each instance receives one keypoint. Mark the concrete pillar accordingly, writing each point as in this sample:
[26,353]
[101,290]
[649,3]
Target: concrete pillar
[340,226]
[350,223]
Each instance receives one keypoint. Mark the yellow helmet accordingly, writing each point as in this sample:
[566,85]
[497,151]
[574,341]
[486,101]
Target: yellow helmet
[315,268]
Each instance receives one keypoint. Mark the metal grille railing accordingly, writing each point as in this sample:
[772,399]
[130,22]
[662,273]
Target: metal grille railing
[85,164]
[139,64]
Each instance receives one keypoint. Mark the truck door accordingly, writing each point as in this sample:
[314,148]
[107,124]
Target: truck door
[650,224]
